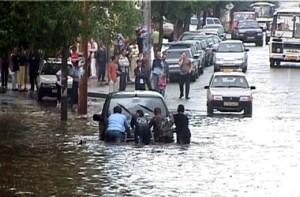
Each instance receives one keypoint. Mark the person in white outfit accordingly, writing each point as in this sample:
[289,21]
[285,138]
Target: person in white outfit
[94,48]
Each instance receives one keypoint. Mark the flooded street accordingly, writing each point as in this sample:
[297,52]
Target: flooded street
[229,155]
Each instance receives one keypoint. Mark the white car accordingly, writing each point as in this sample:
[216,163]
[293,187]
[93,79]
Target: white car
[47,78]
[231,54]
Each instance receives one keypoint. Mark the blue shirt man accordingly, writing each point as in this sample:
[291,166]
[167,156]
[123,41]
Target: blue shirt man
[117,126]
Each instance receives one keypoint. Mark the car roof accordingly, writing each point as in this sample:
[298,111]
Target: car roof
[181,49]
[135,93]
[232,41]
[183,42]
[233,73]
[248,20]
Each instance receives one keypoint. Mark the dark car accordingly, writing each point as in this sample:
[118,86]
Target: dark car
[130,101]
[229,92]
[248,31]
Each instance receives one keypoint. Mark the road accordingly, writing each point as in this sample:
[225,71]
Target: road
[229,155]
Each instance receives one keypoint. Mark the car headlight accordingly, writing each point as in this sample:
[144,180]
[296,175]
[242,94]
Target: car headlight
[239,59]
[278,50]
[241,34]
[219,59]
[216,98]
[259,33]
[245,98]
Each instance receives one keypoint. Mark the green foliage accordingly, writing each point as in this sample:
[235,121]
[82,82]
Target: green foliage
[110,17]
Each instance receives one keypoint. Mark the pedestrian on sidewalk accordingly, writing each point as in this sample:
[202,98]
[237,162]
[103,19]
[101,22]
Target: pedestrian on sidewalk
[94,48]
[123,65]
[22,73]
[186,67]
[155,36]
[182,126]
[134,58]
[58,87]
[76,77]
[4,71]
[15,68]
[113,74]
[162,84]
[145,64]
[34,64]
[157,70]
[140,76]
[101,57]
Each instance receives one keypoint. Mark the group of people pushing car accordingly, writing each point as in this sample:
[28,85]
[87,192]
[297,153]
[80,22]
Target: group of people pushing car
[118,128]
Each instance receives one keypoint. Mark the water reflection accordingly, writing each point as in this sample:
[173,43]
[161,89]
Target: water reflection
[229,156]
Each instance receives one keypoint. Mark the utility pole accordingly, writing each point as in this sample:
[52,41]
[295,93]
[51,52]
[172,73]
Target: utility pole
[147,24]
[82,95]
[64,87]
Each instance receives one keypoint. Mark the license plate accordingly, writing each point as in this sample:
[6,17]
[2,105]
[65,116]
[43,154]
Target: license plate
[292,57]
[250,38]
[231,104]
[54,90]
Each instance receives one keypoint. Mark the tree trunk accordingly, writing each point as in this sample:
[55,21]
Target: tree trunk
[186,25]
[199,18]
[64,88]
[161,21]
[178,29]
[217,10]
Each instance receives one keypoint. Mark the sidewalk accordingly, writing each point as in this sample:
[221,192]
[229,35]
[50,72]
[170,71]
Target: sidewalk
[100,89]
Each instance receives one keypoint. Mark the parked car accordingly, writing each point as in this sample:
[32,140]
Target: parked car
[196,49]
[220,28]
[229,92]
[248,31]
[168,29]
[212,43]
[231,54]
[130,101]
[172,58]
[47,78]
[211,21]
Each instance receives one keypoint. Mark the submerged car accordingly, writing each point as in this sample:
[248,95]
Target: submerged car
[229,91]
[231,54]
[130,101]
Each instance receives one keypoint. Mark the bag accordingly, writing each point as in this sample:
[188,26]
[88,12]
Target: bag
[166,131]
[142,124]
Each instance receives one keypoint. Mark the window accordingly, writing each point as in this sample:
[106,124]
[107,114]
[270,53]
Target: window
[230,47]
[230,81]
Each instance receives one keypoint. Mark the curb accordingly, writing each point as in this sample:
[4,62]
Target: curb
[97,94]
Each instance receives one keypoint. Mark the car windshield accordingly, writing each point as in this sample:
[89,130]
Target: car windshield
[176,54]
[248,24]
[220,29]
[230,47]
[180,46]
[194,21]
[52,68]
[229,81]
[129,105]
[216,21]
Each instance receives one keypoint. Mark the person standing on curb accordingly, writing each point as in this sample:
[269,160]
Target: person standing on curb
[134,58]
[4,71]
[76,77]
[113,75]
[140,76]
[15,68]
[34,63]
[155,36]
[124,65]
[157,70]
[94,48]
[186,67]
[22,73]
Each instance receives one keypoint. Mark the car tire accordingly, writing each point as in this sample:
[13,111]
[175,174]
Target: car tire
[201,71]
[209,110]
[216,69]
[277,62]
[248,111]
[194,76]
[244,70]
[259,43]
[39,96]
[267,41]
[272,63]
[101,131]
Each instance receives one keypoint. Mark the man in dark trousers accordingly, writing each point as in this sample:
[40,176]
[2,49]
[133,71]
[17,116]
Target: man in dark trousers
[140,76]
[101,60]
[186,67]
[34,63]
[182,126]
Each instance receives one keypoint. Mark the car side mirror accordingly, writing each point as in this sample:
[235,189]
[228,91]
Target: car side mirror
[246,50]
[210,44]
[214,50]
[252,87]
[196,56]
[206,87]
[97,117]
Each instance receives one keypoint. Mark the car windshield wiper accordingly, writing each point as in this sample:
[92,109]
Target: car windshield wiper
[219,86]
[123,107]
[145,107]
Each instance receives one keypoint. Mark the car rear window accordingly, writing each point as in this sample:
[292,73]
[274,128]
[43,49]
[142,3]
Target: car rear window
[176,54]
[230,47]
[129,105]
